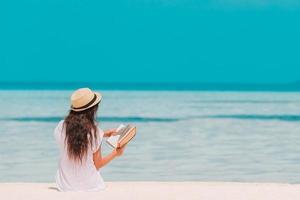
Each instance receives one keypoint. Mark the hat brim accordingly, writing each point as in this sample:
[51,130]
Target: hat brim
[98,99]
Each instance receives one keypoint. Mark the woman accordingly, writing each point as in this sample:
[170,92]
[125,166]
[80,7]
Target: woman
[79,139]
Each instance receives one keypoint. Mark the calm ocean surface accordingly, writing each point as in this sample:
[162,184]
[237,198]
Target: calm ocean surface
[182,136]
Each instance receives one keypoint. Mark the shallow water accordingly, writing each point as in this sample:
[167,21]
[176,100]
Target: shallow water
[195,136]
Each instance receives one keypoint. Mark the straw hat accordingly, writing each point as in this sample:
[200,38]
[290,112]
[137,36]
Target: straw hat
[84,98]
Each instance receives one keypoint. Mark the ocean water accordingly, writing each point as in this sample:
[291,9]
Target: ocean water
[182,136]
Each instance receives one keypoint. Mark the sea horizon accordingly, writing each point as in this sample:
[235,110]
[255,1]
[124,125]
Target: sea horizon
[155,86]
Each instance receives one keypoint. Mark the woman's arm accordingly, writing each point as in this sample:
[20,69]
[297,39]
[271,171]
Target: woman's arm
[100,161]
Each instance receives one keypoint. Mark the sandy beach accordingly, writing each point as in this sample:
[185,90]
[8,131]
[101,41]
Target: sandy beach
[157,190]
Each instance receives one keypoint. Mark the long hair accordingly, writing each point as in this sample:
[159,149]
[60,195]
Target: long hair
[80,132]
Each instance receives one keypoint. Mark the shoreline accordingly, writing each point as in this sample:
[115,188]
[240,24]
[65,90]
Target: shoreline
[157,190]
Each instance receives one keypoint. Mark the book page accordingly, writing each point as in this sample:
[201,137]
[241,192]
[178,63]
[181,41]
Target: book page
[123,132]
[113,140]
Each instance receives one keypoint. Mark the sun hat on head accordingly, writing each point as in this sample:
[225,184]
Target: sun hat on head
[84,98]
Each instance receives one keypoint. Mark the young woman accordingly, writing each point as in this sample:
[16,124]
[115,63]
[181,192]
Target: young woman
[79,139]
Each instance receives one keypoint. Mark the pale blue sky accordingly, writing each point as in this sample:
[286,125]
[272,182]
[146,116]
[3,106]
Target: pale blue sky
[150,41]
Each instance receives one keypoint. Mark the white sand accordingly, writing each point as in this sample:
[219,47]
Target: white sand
[156,190]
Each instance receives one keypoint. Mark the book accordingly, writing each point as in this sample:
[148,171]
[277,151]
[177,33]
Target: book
[123,135]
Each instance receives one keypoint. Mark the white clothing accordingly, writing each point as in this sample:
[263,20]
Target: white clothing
[72,175]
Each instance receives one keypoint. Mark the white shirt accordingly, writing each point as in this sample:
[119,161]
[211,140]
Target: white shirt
[74,176]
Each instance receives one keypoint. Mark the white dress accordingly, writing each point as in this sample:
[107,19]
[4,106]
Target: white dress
[74,176]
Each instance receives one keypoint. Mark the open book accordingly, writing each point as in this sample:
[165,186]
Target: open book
[123,136]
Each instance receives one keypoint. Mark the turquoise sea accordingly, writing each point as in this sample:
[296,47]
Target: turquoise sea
[182,135]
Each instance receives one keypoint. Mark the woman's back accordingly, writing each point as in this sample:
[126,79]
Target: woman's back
[74,175]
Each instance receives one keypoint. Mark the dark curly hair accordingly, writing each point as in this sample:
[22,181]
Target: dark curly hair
[81,130]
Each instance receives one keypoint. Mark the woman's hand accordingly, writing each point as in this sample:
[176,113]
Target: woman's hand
[110,132]
[119,151]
